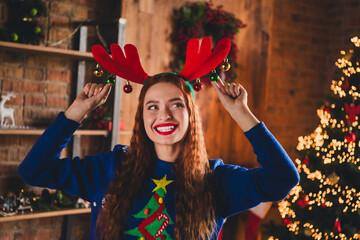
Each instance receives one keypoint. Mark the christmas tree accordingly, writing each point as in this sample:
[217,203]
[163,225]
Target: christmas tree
[326,203]
[155,216]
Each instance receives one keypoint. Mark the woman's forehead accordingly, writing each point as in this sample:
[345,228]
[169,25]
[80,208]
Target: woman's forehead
[163,91]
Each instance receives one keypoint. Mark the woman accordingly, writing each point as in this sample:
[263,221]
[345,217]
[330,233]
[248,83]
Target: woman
[163,186]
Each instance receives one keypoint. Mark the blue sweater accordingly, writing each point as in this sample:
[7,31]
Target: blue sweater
[153,213]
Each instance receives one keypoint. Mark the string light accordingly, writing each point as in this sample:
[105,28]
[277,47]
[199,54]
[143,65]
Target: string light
[328,190]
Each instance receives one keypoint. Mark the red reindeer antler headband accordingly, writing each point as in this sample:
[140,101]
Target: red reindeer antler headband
[198,61]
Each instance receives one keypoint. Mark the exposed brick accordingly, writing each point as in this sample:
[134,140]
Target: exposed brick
[49,61]
[56,75]
[81,13]
[34,100]
[57,34]
[58,102]
[9,153]
[52,221]
[18,100]
[8,140]
[39,116]
[11,85]
[28,141]
[62,9]
[33,73]
[34,87]
[59,21]
[7,168]
[80,2]
[47,233]
[14,58]
[56,88]
[3,70]
[15,72]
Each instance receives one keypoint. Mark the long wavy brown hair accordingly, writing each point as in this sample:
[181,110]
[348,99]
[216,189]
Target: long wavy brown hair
[194,199]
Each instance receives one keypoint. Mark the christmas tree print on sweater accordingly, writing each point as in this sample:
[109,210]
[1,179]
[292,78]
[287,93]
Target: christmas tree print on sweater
[155,216]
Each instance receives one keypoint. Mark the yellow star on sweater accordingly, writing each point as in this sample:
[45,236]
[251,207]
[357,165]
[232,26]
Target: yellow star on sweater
[162,183]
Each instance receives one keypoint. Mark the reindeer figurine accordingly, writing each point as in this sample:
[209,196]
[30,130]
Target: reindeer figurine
[6,112]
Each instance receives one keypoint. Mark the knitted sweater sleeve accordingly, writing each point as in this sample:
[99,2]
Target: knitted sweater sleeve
[243,188]
[43,166]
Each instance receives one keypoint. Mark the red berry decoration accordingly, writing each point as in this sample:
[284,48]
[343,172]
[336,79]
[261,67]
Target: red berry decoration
[345,85]
[128,88]
[287,221]
[198,87]
[302,202]
[350,137]
[306,161]
[326,109]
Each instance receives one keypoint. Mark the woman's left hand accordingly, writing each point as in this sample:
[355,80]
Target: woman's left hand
[234,98]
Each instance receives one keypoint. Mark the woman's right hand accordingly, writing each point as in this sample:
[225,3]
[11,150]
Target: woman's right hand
[92,96]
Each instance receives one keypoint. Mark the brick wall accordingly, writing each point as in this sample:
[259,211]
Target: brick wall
[44,85]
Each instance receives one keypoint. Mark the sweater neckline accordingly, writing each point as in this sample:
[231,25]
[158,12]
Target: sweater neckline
[164,164]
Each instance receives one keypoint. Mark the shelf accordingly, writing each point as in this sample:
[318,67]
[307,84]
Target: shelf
[27,48]
[45,214]
[40,131]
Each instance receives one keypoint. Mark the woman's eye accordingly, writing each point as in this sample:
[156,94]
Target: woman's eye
[178,105]
[152,107]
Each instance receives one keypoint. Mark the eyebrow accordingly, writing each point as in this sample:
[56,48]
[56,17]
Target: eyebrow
[171,100]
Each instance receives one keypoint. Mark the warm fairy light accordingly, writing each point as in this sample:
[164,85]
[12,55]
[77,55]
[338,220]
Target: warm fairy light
[356,41]
[342,63]
[324,117]
[328,190]
[336,88]
[315,139]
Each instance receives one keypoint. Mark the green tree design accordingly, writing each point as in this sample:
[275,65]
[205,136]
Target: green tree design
[155,215]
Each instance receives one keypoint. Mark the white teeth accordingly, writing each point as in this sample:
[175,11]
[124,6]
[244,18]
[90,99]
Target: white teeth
[165,129]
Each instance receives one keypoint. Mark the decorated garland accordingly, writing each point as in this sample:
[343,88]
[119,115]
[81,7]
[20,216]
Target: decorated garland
[199,19]
[18,21]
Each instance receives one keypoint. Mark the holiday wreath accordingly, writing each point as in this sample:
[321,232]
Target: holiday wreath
[199,19]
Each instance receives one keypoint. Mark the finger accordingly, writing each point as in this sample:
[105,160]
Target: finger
[242,90]
[217,88]
[238,90]
[92,89]
[223,96]
[98,89]
[232,92]
[86,88]
[228,89]
[221,84]
[104,93]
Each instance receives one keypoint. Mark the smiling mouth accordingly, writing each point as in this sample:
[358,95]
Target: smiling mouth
[166,130]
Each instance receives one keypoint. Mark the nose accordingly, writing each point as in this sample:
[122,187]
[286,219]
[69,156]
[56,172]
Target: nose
[165,114]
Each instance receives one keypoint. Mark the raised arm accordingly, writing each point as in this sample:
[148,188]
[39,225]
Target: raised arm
[234,99]
[92,96]
[243,188]
[43,166]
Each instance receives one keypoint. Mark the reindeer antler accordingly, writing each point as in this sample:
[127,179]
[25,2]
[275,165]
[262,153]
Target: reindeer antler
[128,67]
[200,62]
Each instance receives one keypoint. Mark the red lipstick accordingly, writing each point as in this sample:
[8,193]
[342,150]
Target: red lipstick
[165,128]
